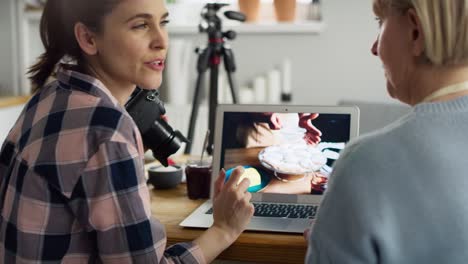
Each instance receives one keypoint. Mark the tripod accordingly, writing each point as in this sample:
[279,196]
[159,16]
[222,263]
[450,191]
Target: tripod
[210,57]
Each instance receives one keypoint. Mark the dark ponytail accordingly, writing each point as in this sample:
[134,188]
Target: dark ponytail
[57,34]
[50,30]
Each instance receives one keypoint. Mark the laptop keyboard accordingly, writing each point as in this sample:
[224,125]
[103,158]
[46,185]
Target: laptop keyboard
[282,210]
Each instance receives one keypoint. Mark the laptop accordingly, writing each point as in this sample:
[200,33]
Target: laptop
[288,168]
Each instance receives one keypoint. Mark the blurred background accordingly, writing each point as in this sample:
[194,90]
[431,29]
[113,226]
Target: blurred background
[320,55]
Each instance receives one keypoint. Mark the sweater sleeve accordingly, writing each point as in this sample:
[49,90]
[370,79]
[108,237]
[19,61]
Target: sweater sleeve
[343,232]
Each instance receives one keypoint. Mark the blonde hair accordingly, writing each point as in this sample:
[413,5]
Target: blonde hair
[444,24]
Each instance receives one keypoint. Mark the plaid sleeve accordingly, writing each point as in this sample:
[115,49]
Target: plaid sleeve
[117,210]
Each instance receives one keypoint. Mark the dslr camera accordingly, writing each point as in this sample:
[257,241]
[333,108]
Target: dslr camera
[146,109]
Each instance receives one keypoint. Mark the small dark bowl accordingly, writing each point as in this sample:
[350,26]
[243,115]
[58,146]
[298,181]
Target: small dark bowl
[160,178]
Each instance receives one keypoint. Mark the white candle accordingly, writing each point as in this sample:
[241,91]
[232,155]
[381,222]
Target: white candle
[246,95]
[274,86]
[286,74]
[260,89]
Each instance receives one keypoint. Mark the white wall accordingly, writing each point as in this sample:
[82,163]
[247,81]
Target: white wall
[8,115]
[338,63]
[8,48]
[333,65]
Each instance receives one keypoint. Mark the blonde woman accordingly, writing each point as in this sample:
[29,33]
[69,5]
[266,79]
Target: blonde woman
[399,195]
[72,182]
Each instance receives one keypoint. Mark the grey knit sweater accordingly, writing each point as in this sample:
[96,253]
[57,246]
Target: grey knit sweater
[400,195]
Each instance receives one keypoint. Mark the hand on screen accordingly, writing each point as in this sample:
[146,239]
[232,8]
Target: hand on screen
[275,122]
[313,134]
[272,119]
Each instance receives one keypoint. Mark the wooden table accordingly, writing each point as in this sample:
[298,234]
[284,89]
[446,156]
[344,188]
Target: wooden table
[172,206]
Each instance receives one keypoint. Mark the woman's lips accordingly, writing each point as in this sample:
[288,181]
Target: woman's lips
[157,65]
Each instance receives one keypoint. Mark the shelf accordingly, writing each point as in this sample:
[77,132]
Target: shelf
[33,14]
[309,27]
[303,27]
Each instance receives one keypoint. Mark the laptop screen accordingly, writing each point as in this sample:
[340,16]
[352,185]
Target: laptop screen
[283,152]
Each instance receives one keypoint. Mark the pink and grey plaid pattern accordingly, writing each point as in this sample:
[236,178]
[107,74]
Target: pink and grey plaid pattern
[72,186]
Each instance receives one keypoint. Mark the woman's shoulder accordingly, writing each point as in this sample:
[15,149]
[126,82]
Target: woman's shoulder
[86,113]
[104,117]
[376,144]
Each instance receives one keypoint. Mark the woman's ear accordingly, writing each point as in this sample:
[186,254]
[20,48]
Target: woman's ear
[86,39]
[417,34]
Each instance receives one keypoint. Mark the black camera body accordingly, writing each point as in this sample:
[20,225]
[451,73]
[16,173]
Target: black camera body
[146,109]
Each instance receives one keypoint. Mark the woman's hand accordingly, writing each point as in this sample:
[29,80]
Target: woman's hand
[272,119]
[275,122]
[305,234]
[232,212]
[232,209]
[312,135]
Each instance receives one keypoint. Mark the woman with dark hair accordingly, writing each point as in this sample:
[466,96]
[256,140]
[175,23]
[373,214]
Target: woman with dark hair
[72,182]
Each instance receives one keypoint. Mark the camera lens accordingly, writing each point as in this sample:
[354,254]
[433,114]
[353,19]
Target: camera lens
[162,140]
[146,110]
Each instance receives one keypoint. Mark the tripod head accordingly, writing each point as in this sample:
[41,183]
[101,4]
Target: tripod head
[210,58]
[212,23]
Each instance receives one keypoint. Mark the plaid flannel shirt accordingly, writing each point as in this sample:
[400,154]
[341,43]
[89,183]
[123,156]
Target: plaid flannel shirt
[72,183]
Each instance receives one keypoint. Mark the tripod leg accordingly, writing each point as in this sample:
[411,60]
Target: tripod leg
[202,66]
[232,85]
[194,114]
[214,71]
[230,66]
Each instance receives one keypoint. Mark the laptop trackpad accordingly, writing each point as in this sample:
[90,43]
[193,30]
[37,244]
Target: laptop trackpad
[279,224]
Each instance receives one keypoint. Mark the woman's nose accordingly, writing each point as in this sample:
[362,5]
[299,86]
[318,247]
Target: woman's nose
[160,39]
[375,48]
